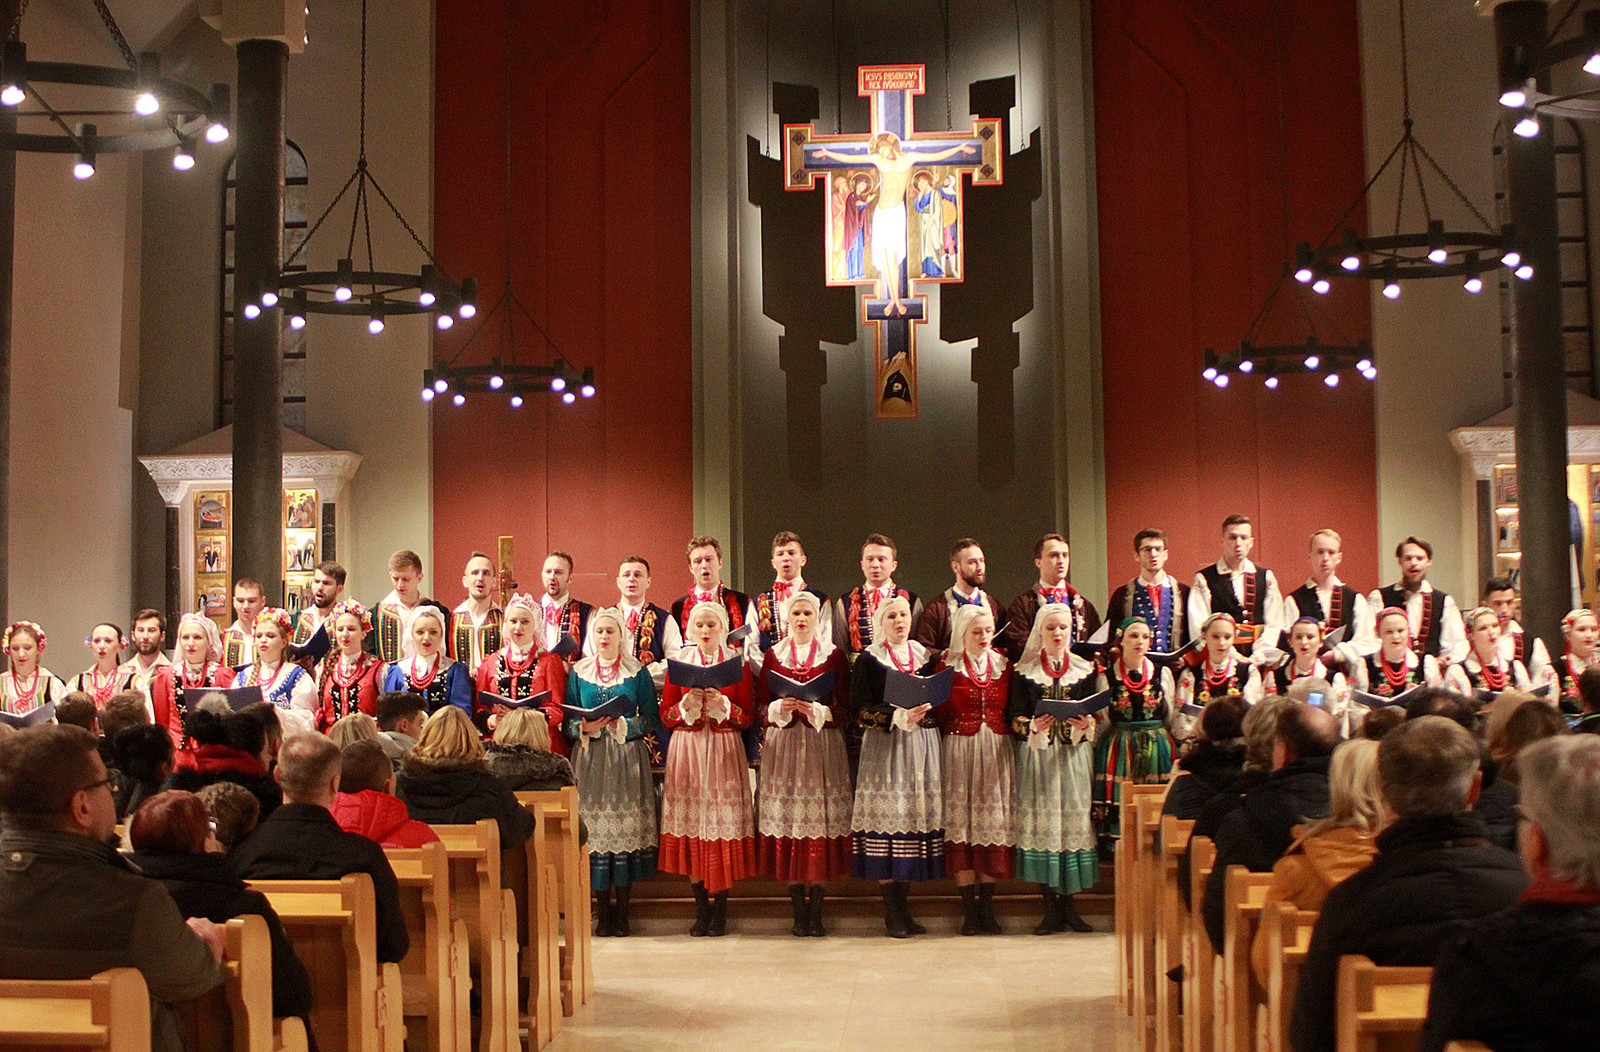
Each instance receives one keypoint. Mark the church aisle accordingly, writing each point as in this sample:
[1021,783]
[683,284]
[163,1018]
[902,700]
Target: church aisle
[854,993]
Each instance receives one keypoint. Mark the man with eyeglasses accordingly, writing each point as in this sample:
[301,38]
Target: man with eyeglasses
[70,906]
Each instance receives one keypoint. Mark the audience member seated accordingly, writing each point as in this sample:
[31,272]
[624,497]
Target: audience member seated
[78,709]
[234,812]
[266,715]
[1529,724]
[144,763]
[1260,725]
[1332,849]
[172,843]
[1257,832]
[445,780]
[1212,764]
[1436,870]
[1588,702]
[1497,799]
[1378,722]
[1528,977]
[401,715]
[366,803]
[301,841]
[124,710]
[70,905]
[229,748]
[520,754]
[356,727]
[1496,715]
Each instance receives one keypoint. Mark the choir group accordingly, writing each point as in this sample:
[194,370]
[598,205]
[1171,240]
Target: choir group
[895,739]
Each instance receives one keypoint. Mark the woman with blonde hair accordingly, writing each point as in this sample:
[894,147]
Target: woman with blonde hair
[520,753]
[1335,847]
[356,727]
[1485,670]
[446,780]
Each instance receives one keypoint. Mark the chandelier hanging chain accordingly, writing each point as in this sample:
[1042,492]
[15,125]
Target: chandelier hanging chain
[116,34]
[16,23]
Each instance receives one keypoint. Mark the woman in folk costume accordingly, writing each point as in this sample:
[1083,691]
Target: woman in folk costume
[1222,670]
[1135,746]
[898,816]
[26,685]
[707,820]
[198,664]
[611,762]
[1582,652]
[102,679]
[350,679]
[1396,668]
[1304,661]
[1055,771]
[806,796]
[978,766]
[430,672]
[523,669]
[1484,670]
[285,685]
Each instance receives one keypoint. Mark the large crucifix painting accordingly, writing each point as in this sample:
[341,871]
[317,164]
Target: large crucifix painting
[894,214]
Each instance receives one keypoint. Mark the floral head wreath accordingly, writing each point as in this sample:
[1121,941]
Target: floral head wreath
[1571,619]
[1476,612]
[278,616]
[1214,618]
[38,634]
[355,609]
[522,599]
[122,639]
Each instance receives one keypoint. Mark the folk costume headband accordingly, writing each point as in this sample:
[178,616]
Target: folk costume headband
[354,609]
[278,616]
[30,627]
[209,628]
[122,640]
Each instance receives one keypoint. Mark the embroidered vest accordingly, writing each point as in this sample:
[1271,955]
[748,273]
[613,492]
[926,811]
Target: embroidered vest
[1309,604]
[1431,634]
[859,611]
[1378,682]
[471,643]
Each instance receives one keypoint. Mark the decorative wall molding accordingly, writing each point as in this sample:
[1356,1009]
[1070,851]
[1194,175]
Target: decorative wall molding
[1485,447]
[176,475]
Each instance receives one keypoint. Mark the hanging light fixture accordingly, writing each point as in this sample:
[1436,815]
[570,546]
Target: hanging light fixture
[371,292]
[126,109]
[1522,71]
[1432,250]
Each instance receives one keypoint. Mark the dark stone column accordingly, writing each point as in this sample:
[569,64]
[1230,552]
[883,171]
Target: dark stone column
[1540,397]
[257,356]
[330,532]
[173,605]
[8,228]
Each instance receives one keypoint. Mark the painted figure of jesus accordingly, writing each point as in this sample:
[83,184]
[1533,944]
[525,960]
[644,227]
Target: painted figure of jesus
[894,167]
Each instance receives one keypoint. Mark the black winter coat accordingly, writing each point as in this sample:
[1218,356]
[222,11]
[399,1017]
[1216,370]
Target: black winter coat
[1523,980]
[303,842]
[1209,769]
[1212,812]
[1432,877]
[209,886]
[457,795]
[1257,832]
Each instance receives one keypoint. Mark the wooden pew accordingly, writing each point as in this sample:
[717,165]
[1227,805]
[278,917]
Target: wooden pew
[480,900]
[110,1010]
[1169,934]
[1380,1009]
[1126,916]
[533,879]
[1199,1005]
[1146,878]
[237,1016]
[356,1002]
[1244,894]
[1288,935]
[436,973]
[572,874]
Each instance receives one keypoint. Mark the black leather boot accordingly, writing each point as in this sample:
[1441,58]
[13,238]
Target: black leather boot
[1047,925]
[894,915]
[619,910]
[1068,915]
[602,914]
[814,914]
[903,892]
[971,922]
[986,917]
[719,914]
[797,899]
[702,915]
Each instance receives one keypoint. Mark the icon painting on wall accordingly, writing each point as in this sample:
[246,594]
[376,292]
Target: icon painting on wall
[894,213]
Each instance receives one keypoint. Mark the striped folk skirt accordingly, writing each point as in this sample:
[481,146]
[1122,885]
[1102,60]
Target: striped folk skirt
[898,820]
[1137,753]
[707,821]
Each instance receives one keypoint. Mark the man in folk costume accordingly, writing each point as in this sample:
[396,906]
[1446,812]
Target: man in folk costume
[563,615]
[139,671]
[392,616]
[766,607]
[705,566]
[239,639]
[1248,593]
[851,615]
[475,624]
[650,634]
[1436,628]
[1053,557]
[967,563]
[1155,595]
[1500,595]
[327,586]
[1333,604]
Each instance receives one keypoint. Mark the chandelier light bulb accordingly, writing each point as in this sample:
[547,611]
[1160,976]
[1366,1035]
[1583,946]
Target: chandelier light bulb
[516,401]
[1525,272]
[217,132]
[496,382]
[375,324]
[427,298]
[83,169]
[427,394]
[1473,284]
[269,298]
[1221,380]
[1332,379]
[1303,275]
[1320,286]
[146,104]
[342,293]
[1527,127]
[1247,366]
[1271,383]
[1351,262]
[587,390]
[441,385]
[1438,255]
[558,383]
[459,399]
[1363,365]
[1209,373]
[12,94]
[1514,98]
[297,322]
[1591,65]
[444,321]
[182,159]
[1312,361]
[1370,374]
[467,310]
[1392,290]
[252,311]
[568,397]
[1512,258]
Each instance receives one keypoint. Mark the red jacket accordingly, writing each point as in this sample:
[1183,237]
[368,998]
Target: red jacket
[380,818]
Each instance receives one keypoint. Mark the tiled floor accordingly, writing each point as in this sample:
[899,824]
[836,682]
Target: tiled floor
[760,989]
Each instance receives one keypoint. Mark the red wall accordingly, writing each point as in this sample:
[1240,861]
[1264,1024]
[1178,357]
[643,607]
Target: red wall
[1195,167]
[599,229]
